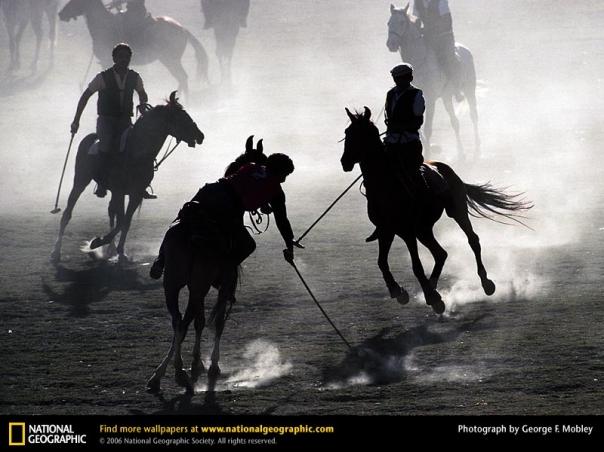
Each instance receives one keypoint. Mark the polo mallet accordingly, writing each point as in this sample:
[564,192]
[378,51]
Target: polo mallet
[297,242]
[293,264]
[56,209]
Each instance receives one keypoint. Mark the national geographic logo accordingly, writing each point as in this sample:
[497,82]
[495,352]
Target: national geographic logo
[20,434]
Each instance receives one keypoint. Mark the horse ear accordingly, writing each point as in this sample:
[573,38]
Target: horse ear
[260,146]
[350,115]
[392,8]
[173,97]
[249,144]
[367,114]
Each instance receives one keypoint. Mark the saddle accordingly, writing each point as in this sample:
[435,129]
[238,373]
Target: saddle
[206,234]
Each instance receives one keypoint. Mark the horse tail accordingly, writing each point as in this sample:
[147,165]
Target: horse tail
[200,55]
[486,201]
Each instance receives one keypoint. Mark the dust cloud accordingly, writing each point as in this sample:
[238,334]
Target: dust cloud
[296,66]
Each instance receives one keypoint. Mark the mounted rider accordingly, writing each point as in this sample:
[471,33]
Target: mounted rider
[404,116]
[115,108]
[437,25]
[214,217]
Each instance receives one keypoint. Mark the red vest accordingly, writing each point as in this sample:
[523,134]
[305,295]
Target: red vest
[254,186]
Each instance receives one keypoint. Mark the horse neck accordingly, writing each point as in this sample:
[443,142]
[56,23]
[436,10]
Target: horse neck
[101,23]
[148,136]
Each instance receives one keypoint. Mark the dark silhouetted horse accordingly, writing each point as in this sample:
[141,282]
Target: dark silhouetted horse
[136,172]
[17,14]
[164,39]
[405,36]
[397,212]
[198,270]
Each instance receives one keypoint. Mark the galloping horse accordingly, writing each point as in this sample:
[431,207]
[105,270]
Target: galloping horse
[225,17]
[199,270]
[396,212]
[17,14]
[405,36]
[164,39]
[144,142]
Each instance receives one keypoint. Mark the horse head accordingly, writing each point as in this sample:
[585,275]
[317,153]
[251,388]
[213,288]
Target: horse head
[180,125]
[398,24]
[73,9]
[361,136]
[251,155]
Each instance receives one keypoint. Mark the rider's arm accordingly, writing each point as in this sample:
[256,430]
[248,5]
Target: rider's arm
[75,125]
[142,94]
[280,212]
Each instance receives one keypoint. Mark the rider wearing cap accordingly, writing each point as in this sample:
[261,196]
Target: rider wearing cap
[404,113]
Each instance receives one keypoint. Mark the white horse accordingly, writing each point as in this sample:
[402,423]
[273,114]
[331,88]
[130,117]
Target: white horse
[405,36]
[17,14]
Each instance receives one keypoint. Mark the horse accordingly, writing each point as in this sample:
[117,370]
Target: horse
[225,17]
[17,14]
[405,36]
[199,271]
[395,211]
[164,39]
[144,141]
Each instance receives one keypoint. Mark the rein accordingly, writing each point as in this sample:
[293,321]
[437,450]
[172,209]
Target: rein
[257,219]
[166,154]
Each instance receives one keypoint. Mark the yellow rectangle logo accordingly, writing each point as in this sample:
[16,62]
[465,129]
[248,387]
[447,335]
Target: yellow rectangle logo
[16,433]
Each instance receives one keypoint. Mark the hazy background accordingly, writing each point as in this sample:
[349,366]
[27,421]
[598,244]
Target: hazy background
[296,66]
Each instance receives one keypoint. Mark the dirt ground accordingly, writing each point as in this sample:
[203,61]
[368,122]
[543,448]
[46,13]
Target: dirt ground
[83,336]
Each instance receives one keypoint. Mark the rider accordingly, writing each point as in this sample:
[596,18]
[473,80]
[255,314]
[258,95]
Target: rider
[404,115]
[435,16]
[136,20]
[215,214]
[116,87]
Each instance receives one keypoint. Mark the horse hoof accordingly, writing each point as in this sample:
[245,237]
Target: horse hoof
[96,242]
[436,302]
[123,259]
[197,370]
[403,297]
[183,380]
[214,371]
[488,286]
[438,307]
[153,385]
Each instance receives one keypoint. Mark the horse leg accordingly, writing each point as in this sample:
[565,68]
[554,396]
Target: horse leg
[464,223]
[448,103]
[429,119]
[396,291]
[51,14]
[225,293]
[438,253]
[197,367]
[470,94]
[36,24]
[432,296]
[171,293]
[175,68]
[18,36]
[115,211]
[78,187]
